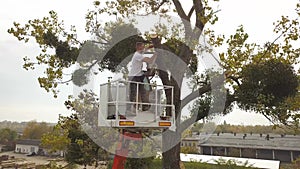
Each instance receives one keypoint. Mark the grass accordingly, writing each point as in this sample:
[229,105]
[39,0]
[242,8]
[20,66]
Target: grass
[157,163]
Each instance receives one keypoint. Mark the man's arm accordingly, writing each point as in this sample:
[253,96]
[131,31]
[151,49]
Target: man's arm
[150,59]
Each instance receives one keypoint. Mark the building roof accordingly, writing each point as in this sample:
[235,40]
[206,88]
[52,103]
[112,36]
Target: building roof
[288,142]
[28,142]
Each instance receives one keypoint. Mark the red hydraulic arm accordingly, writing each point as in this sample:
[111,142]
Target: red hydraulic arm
[122,149]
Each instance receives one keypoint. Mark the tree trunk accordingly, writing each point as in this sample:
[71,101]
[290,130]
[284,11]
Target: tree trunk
[171,155]
[171,139]
[177,67]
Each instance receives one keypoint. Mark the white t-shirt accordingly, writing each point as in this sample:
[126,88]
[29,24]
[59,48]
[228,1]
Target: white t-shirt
[136,65]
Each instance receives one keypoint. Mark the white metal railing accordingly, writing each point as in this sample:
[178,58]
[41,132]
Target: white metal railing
[113,97]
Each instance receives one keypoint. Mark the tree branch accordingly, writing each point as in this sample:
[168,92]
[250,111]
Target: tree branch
[200,115]
[187,123]
[180,10]
[195,95]
[191,12]
[268,118]
[216,81]
[154,9]
[199,14]
[184,18]
[194,118]
[235,79]
[103,43]
[101,37]
[270,45]
[67,81]
[159,5]
[74,39]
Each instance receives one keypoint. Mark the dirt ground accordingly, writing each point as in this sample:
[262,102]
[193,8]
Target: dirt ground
[40,160]
[35,159]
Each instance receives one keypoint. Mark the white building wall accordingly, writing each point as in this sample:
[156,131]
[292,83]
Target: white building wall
[57,153]
[26,148]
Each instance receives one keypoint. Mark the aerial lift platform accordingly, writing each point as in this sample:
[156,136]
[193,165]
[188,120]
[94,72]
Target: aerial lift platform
[115,107]
[117,111]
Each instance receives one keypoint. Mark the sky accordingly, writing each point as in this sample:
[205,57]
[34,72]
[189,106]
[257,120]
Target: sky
[22,99]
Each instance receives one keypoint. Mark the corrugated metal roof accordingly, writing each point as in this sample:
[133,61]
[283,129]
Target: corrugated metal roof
[288,142]
[29,142]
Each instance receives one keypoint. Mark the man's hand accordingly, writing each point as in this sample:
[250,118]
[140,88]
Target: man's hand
[149,47]
[151,59]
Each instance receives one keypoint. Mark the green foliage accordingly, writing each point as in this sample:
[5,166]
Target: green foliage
[262,78]
[257,129]
[80,148]
[16,126]
[233,163]
[197,127]
[56,140]
[85,106]
[267,84]
[142,163]
[128,8]
[63,50]
[201,107]
[54,165]
[59,49]
[157,163]
[69,136]
[35,130]
[294,165]
[189,150]
[121,44]
[265,87]
[194,165]
[80,77]
[49,33]
[7,135]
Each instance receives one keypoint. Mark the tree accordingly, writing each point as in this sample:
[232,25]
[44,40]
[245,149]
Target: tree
[35,130]
[238,61]
[69,137]
[81,149]
[265,86]
[7,135]
[56,140]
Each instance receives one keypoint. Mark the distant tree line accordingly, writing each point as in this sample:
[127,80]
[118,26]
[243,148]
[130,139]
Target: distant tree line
[18,126]
[256,129]
[23,130]
[7,135]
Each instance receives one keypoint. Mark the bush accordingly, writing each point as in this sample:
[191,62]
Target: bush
[157,163]
[294,165]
